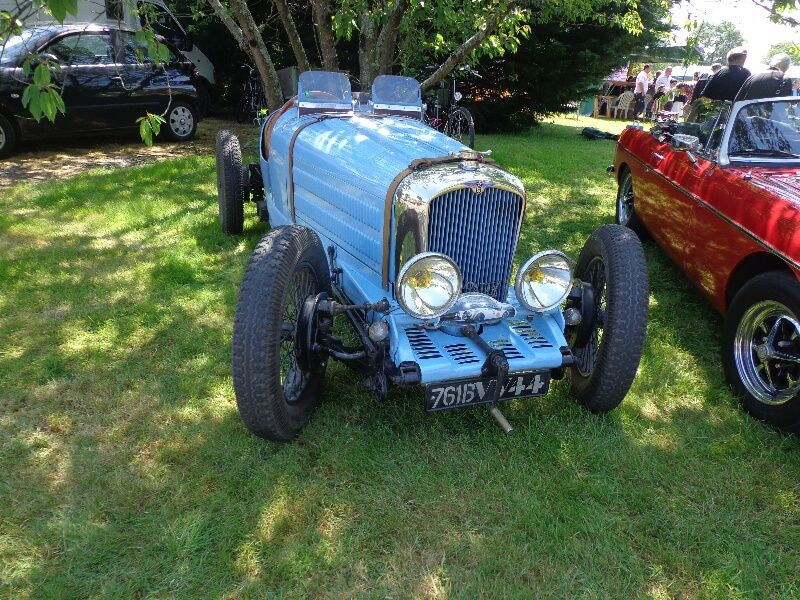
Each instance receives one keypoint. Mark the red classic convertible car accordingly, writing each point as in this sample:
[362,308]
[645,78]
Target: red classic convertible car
[720,194]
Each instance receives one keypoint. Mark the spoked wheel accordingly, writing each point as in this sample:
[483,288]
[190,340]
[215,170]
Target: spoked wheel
[626,210]
[230,182]
[461,127]
[586,354]
[608,344]
[276,377]
[762,348]
[294,379]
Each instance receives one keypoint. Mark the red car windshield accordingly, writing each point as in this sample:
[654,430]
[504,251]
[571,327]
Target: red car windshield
[767,130]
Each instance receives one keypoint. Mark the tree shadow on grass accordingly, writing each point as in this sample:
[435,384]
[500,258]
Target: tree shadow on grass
[130,473]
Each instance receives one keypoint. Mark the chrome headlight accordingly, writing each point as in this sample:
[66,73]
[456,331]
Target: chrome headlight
[544,281]
[428,285]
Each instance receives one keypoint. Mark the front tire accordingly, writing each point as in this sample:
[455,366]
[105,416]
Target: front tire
[626,209]
[230,184]
[761,348]
[275,395]
[8,138]
[461,127]
[181,122]
[612,262]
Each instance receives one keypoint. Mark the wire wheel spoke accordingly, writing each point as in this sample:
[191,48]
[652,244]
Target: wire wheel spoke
[586,356]
[293,378]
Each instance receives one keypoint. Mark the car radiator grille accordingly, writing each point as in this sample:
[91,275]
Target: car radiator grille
[479,232]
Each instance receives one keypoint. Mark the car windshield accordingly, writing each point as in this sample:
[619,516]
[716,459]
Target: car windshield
[396,90]
[766,130]
[706,120]
[18,46]
[323,87]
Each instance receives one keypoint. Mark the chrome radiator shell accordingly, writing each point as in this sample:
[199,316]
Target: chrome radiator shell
[471,212]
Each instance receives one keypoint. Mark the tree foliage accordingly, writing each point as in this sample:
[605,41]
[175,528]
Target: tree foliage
[559,63]
[379,36]
[714,40]
[789,48]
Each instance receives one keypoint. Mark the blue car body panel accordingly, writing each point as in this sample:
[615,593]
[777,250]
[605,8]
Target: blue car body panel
[342,168]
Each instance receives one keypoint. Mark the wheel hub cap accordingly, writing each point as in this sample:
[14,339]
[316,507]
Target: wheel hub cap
[766,352]
[181,121]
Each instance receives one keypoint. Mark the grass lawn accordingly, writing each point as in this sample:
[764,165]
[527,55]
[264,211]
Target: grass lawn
[126,472]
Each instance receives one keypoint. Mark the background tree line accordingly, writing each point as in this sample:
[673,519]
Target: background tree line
[532,57]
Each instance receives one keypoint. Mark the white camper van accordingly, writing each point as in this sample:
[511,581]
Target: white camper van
[128,13]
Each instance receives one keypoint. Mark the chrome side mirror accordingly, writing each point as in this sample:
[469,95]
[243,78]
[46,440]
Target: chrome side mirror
[686,143]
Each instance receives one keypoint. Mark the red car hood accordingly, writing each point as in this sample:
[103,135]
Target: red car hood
[783,183]
[772,207]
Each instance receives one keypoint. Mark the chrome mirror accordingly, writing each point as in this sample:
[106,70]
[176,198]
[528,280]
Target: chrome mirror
[686,143]
[683,141]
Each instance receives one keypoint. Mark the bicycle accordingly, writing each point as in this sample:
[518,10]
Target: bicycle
[253,98]
[444,114]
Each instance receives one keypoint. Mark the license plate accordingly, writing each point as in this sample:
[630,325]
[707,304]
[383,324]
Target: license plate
[468,392]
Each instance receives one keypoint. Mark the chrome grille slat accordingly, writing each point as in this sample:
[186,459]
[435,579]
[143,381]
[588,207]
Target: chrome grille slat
[477,231]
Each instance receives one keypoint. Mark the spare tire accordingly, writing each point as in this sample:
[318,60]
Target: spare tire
[230,186]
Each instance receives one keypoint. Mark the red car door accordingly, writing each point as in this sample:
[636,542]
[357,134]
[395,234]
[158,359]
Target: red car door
[665,205]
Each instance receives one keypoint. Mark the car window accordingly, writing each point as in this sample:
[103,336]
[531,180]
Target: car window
[134,52]
[83,49]
[706,120]
[766,127]
[161,21]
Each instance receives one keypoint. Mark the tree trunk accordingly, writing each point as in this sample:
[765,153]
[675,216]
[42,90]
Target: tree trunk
[387,39]
[250,41]
[294,37]
[367,51]
[461,52]
[321,10]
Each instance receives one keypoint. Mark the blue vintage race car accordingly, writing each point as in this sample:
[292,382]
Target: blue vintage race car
[411,236]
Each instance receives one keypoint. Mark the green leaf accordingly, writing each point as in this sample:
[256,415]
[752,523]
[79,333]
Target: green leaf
[163,53]
[41,75]
[48,105]
[58,8]
[145,131]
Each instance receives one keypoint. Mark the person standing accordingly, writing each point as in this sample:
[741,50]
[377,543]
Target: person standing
[660,85]
[772,83]
[640,90]
[703,81]
[728,81]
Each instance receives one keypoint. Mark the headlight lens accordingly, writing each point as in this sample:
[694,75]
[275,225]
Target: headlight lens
[544,281]
[428,285]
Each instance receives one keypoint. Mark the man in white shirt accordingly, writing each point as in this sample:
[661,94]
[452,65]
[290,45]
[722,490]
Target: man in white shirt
[661,86]
[640,91]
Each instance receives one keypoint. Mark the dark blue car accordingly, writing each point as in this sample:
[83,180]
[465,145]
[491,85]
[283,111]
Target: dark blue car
[107,83]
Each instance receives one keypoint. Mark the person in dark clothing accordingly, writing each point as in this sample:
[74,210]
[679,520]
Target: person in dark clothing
[703,81]
[727,82]
[770,83]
